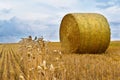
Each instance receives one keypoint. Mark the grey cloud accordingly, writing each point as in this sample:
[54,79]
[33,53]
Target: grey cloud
[102,4]
[115,23]
[5,11]
[115,36]
[14,29]
[115,30]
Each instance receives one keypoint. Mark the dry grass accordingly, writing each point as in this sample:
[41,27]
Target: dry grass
[49,64]
[103,66]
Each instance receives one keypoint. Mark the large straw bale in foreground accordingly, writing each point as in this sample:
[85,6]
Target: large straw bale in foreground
[84,33]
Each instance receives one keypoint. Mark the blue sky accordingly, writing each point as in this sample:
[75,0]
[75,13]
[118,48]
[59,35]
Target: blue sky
[21,18]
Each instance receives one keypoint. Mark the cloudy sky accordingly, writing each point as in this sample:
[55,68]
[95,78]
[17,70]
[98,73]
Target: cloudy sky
[21,18]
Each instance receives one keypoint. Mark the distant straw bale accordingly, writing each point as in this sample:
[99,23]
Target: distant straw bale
[84,33]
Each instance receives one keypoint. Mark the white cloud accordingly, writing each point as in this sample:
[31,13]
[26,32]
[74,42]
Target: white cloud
[59,3]
[111,9]
[113,13]
[9,39]
[5,5]
[44,16]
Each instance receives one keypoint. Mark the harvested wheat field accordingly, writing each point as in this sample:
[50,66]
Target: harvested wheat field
[34,61]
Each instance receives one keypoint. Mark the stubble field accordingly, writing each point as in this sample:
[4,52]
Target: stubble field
[30,61]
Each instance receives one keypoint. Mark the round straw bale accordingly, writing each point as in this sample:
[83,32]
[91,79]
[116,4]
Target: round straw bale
[84,33]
